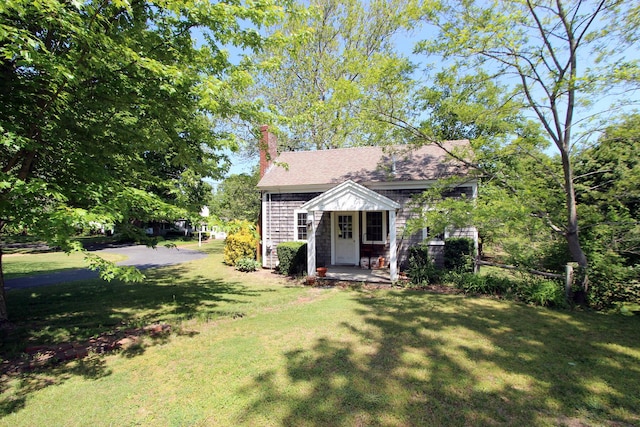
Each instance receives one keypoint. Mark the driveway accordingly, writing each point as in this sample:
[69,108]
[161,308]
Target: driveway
[140,256]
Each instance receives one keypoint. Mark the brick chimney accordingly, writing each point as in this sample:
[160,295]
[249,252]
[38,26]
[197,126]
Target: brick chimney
[268,147]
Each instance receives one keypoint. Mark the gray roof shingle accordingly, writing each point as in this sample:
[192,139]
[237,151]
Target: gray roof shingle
[364,165]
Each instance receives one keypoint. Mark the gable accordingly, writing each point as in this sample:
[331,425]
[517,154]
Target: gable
[364,165]
[350,196]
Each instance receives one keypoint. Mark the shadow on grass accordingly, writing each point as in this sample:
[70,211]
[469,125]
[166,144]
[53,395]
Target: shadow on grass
[91,367]
[424,359]
[80,311]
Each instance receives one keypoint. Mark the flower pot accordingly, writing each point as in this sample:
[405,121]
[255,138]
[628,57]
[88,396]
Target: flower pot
[381,262]
[322,271]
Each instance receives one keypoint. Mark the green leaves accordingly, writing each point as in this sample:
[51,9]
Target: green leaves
[107,109]
[332,69]
[109,271]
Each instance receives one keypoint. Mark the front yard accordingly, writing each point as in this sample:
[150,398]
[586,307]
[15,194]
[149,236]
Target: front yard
[255,349]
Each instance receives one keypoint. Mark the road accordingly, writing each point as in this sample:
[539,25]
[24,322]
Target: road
[140,256]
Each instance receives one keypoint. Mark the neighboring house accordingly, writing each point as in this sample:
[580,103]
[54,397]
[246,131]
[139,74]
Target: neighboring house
[165,228]
[351,204]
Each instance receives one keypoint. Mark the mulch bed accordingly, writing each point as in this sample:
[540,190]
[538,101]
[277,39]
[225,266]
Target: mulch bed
[436,289]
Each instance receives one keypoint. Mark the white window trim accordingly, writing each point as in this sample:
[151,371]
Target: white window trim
[295,224]
[434,242]
[385,227]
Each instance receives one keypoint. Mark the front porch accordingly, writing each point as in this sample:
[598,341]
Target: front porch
[348,205]
[346,273]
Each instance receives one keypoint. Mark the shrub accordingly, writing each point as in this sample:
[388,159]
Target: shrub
[543,292]
[476,284]
[247,265]
[612,283]
[292,257]
[421,269]
[458,254]
[554,256]
[538,291]
[241,242]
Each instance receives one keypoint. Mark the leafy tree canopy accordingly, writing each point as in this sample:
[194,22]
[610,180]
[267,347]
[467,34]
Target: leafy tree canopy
[339,64]
[608,177]
[113,110]
[555,60]
[237,198]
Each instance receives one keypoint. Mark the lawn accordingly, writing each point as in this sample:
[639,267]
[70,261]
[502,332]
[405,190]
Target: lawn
[27,261]
[20,264]
[253,349]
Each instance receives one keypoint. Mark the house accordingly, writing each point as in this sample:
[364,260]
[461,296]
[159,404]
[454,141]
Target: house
[180,227]
[351,204]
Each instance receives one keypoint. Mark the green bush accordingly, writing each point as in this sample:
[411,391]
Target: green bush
[553,256]
[612,283]
[247,265]
[292,257]
[421,269]
[458,254]
[241,242]
[543,292]
[476,284]
[532,290]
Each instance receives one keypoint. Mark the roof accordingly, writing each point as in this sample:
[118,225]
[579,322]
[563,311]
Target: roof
[350,196]
[364,165]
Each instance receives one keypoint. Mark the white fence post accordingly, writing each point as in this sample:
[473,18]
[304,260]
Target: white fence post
[568,281]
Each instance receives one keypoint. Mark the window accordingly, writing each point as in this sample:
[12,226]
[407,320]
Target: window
[432,238]
[300,219]
[345,227]
[375,227]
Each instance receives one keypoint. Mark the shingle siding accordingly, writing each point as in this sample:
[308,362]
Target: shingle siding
[279,220]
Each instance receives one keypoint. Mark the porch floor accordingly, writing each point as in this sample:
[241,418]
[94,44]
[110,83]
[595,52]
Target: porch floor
[356,274]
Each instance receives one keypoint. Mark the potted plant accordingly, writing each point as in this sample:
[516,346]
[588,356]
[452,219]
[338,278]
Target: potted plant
[322,271]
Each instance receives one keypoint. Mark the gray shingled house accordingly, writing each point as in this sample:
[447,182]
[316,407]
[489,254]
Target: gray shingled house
[351,204]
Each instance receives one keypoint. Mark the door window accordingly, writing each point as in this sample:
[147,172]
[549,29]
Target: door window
[345,226]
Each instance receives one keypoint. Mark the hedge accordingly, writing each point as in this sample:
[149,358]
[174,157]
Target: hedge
[292,257]
[458,254]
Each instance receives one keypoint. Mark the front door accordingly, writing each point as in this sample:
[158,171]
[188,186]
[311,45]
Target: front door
[346,235]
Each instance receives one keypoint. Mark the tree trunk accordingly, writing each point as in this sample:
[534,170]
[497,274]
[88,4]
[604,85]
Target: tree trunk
[4,316]
[572,232]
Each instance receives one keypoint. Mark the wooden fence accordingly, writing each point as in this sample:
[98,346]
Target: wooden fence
[568,276]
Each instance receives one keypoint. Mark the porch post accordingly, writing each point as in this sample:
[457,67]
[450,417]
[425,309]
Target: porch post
[311,245]
[393,253]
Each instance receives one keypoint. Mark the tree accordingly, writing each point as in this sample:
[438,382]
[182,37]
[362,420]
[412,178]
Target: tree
[514,199]
[608,172]
[608,182]
[559,56]
[106,108]
[237,198]
[338,61]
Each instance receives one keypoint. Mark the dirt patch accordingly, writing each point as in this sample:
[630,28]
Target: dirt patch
[312,295]
[41,356]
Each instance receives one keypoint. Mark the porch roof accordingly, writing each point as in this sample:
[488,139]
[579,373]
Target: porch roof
[350,196]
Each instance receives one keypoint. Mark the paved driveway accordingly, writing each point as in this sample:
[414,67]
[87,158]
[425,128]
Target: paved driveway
[141,256]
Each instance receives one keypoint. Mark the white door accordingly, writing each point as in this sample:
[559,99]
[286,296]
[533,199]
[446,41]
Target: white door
[346,236]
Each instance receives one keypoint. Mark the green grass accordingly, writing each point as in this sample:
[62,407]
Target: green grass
[20,265]
[256,350]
